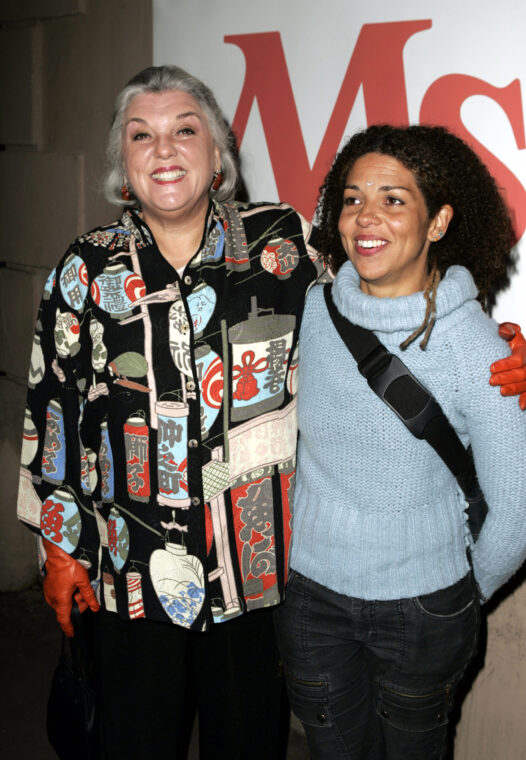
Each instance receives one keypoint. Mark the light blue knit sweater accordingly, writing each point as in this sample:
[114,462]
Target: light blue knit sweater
[377,515]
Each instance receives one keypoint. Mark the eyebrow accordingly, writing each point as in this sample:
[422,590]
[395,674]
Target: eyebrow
[184,115]
[384,188]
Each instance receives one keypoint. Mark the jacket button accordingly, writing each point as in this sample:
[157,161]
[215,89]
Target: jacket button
[190,385]
[187,280]
[192,443]
[385,714]
[196,501]
[321,718]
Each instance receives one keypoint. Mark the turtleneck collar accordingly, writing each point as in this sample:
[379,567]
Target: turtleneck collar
[398,314]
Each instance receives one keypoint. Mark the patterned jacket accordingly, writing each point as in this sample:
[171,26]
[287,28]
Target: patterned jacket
[160,430]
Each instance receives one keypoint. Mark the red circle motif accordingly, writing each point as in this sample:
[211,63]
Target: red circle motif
[83,273]
[95,292]
[134,287]
[212,385]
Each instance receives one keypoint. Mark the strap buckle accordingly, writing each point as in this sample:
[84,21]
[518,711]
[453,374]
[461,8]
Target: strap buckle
[382,369]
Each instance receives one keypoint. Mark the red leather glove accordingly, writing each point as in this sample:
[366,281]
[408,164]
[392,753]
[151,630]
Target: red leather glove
[510,373]
[66,578]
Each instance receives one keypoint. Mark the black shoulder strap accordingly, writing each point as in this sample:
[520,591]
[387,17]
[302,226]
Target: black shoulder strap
[392,381]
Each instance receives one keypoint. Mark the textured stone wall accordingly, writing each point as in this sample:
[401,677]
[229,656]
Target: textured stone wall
[62,62]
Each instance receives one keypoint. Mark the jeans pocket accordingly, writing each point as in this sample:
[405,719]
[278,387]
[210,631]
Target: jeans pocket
[448,602]
[291,577]
[309,700]
[414,709]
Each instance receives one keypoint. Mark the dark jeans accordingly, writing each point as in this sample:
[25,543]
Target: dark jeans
[375,680]
[153,676]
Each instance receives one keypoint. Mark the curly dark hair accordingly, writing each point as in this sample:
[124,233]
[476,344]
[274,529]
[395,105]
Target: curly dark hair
[447,171]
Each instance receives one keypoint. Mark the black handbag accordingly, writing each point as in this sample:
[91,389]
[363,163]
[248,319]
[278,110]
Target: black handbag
[393,382]
[71,727]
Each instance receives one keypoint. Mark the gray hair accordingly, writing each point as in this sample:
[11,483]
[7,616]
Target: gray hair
[160,79]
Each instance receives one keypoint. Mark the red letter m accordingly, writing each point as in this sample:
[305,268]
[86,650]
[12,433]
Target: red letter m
[376,63]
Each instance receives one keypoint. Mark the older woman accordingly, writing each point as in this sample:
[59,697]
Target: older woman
[382,611]
[158,465]
[162,399]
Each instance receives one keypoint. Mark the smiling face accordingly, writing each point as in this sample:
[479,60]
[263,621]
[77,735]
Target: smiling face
[169,155]
[385,228]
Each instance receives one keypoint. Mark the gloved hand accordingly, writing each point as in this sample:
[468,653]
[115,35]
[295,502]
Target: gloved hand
[510,373]
[66,578]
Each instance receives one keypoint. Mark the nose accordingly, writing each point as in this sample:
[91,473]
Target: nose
[367,215]
[165,146]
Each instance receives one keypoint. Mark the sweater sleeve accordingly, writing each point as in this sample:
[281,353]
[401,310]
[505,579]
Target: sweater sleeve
[54,498]
[497,432]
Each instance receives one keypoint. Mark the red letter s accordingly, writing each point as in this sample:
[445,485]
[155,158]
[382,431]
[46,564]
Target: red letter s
[441,105]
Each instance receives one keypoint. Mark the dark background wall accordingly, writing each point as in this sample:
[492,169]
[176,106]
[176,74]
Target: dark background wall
[62,63]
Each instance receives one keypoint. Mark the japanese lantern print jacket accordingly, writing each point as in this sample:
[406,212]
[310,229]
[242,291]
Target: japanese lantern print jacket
[160,429]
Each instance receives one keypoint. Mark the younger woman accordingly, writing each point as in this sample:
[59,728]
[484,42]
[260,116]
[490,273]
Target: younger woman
[382,610]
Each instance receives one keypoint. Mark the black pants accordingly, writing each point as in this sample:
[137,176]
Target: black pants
[152,677]
[374,680]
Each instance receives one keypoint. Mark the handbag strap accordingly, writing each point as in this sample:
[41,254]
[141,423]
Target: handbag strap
[79,645]
[393,382]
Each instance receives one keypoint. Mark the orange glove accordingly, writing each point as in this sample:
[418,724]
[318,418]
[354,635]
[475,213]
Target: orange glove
[66,578]
[510,373]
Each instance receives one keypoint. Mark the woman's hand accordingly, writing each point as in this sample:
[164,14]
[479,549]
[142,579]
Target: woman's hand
[510,373]
[66,578]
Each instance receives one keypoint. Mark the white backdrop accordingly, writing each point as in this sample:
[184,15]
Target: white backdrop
[281,71]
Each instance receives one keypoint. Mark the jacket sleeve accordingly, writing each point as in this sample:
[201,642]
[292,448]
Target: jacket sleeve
[54,498]
[497,432]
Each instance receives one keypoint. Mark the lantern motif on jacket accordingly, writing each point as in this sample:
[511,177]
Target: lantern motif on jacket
[172,427]
[106,465]
[54,451]
[254,526]
[118,538]
[92,469]
[84,469]
[29,506]
[214,246]
[179,337]
[260,350]
[201,302]
[66,333]
[135,598]
[60,520]
[30,439]
[50,284]
[280,257]
[74,282]
[137,447]
[210,375]
[102,527]
[178,580]
[99,352]
[110,597]
[116,290]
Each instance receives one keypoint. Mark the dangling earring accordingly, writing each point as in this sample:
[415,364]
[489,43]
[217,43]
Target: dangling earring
[217,180]
[125,191]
